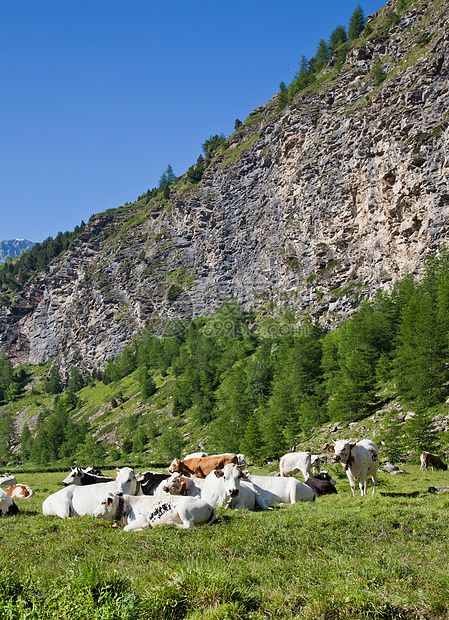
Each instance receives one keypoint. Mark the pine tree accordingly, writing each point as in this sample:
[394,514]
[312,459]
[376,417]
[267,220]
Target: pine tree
[356,23]
[301,79]
[167,178]
[322,55]
[54,384]
[338,36]
[282,96]
[420,359]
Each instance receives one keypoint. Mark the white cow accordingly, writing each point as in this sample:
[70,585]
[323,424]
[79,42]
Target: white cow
[196,455]
[223,487]
[137,512]
[76,500]
[294,462]
[315,462]
[359,459]
[7,505]
[7,480]
[282,490]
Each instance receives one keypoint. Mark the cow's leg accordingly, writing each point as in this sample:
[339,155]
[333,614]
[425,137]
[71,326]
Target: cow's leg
[137,523]
[363,484]
[351,482]
[374,481]
[261,502]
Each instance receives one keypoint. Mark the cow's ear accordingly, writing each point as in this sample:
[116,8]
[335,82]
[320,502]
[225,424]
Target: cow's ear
[218,472]
[245,473]
[108,501]
[352,445]
[330,449]
[119,493]
[183,482]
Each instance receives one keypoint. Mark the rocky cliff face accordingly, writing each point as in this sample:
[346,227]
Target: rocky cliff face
[308,210]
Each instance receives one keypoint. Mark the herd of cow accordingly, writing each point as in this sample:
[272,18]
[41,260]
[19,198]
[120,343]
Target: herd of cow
[191,490]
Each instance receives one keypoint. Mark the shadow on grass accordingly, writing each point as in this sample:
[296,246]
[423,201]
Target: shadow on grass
[410,494]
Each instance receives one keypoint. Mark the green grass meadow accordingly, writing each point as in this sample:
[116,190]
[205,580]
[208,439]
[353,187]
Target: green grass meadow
[380,557]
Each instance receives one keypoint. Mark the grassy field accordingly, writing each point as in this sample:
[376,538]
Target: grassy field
[381,557]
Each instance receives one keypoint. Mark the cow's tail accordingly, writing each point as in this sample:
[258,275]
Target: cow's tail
[213,516]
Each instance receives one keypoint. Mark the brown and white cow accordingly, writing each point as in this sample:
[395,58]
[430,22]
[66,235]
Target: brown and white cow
[19,491]
[433,460]
[201,467]
[359,459]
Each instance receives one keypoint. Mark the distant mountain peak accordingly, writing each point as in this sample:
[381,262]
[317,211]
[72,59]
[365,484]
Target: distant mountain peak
[14,248]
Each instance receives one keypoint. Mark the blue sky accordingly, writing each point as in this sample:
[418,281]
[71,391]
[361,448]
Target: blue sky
[97,97]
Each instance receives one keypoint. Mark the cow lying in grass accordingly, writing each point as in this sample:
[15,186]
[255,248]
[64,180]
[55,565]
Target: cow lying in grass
[201,467]
[281,490]
[19,491]
[7,505]
[7,480]
[137,512]
[84,477]
[226,488]
[76,500]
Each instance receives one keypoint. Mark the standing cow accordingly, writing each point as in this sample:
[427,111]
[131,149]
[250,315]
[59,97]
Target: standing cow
[359,459]
[294,462]
[433,460]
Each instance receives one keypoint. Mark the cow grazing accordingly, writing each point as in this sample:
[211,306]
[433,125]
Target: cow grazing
[359,459]
[75,500]
[294,462]
[321,484]
[201,467]
[84,477]
[149,481]
[137,512]
[7,480]
[281,490]
[222,487]
[7,505]
[19,491]
[433,460]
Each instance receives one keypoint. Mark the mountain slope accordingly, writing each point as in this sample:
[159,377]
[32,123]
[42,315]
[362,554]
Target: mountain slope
[308,210]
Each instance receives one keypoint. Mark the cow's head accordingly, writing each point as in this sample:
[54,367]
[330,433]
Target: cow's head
[324,475]
[230,477]
[108,508]
[175,485]
[74,477]
[341,451]
[127,481]
[175,466]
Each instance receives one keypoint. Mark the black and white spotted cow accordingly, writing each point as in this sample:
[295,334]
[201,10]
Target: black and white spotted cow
[134,512]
